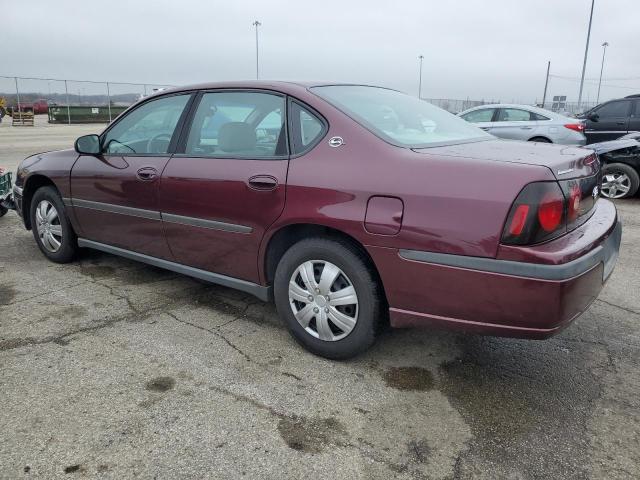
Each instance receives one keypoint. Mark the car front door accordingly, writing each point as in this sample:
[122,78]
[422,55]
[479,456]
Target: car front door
[608,121]
[226,184]
[115,194]
[514,124]
[482,118]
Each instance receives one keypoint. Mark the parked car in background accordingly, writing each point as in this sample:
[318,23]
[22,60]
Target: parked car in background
[613,119]
[621,165]
[38,107]
[526,123]
[341,216]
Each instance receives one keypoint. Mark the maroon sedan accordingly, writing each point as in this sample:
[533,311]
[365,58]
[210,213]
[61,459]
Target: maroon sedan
[348,205]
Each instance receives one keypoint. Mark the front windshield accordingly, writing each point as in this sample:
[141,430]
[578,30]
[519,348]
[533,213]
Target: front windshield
[399,118]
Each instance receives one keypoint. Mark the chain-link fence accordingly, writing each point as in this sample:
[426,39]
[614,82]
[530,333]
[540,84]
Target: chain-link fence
[69,101]
[86,101]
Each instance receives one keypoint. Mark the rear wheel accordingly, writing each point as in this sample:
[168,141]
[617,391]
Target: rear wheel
[540,140]
[50,225]
[328,298]
[619,181]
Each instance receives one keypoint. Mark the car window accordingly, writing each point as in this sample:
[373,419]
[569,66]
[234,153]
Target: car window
[306,128]
[148,129]
[614,109]
[537,116]
[514,115]
[247,124]
[400,119]
[484,115]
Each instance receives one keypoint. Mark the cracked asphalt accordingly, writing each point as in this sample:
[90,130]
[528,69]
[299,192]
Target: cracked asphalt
[114,369]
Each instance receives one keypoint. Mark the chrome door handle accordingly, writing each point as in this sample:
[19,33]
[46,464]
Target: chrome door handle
[526,128]
[147,174]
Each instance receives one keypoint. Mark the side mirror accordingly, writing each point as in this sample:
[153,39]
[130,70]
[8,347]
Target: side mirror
[88,145]
[593,117]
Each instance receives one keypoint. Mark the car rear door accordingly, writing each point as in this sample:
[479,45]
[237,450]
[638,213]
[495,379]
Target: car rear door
[608,121]
[115,194]
[226,184]
[514,124]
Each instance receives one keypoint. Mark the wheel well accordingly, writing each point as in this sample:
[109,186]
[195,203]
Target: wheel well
[540,137]
[33,183]
[287,236]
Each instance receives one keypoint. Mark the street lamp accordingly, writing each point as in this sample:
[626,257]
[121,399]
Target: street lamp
[257,24]
[604,50]
[420,57]
[586,51]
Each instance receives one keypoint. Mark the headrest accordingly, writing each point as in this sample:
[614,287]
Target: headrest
[236,136]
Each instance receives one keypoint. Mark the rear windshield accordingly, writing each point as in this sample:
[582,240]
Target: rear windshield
[400,119]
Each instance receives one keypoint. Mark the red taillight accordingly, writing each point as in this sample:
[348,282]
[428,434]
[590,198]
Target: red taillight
[537,215]
[576,127]
[519,219]
[550,211]
[573,207]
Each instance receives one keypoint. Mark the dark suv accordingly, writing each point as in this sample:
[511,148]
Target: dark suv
[612,119]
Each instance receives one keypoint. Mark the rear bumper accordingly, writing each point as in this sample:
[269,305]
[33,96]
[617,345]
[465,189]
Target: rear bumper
[503,297]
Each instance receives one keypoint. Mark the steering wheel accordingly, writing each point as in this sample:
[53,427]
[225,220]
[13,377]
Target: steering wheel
[160,137]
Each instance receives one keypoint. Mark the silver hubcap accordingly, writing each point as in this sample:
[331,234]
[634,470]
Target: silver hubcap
[323,300]
[615,185]
[48,226]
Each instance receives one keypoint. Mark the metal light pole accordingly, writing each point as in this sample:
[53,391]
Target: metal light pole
[109,101]
[586,51]
[420,57]
[257,24]
[604,50]
[546,84]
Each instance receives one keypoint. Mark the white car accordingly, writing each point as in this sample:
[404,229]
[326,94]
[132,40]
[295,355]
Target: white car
[527,123]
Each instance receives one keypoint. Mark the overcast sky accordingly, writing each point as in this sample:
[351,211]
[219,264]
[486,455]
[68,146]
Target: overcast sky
[482,49]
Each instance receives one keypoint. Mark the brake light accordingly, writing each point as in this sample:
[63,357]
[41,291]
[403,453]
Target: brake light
[538,214]
[546,210]
[550,211]
[576,127]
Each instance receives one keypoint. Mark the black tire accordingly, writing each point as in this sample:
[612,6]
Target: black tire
[3,211]
[634,178]
[69,241]
[354,266]
[540,140]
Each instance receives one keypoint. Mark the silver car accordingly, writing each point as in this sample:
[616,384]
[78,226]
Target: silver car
[523,122]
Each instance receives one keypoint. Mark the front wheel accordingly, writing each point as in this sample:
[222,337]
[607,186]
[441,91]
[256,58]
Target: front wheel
[619,181]
[50,225]
[328,297]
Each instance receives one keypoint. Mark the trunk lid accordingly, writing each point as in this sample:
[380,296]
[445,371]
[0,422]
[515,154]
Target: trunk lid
[565,162]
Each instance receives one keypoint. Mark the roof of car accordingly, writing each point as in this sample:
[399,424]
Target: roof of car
[267,84]
[532,108]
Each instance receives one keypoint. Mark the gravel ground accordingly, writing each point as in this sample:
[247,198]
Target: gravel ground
[113,369]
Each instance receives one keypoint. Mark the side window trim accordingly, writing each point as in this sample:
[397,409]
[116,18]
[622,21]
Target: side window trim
[181,143]
[294,130]
[174,137]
